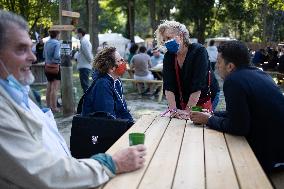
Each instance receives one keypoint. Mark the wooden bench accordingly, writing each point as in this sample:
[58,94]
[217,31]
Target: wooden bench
[182,155]
[158,83]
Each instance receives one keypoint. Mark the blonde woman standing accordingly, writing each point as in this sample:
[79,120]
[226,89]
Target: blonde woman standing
[185,69]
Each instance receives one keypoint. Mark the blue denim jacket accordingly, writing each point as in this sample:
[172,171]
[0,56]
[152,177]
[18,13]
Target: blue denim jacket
[107,96]
[51,51]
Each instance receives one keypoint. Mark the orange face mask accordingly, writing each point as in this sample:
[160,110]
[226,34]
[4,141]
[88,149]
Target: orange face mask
[121,68]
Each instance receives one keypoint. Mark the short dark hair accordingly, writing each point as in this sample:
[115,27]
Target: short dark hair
[142,49]
[133,48]
[8,19]
[211,42]
[53,33]
[235,52]
[156,49]
[81,30]
[105,60]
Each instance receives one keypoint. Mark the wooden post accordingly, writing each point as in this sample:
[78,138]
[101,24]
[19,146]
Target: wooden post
[66,65]
[93,24]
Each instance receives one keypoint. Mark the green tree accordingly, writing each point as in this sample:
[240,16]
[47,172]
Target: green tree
[38,13]
[197,14]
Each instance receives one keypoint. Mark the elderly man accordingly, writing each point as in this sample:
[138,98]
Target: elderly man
[254,106]
[32,152]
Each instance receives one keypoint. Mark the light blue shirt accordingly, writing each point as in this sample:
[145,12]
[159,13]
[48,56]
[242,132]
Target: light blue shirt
[19,97]
[52,140]
[157,60]
[51,51]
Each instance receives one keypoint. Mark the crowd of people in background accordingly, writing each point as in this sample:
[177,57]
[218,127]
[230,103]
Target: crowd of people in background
[271,59]
[143,59]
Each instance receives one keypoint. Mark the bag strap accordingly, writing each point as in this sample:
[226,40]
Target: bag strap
[178,79]
[80,104]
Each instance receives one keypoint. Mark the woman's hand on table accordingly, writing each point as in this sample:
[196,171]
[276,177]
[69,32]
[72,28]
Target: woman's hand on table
[175,113]
[182,114]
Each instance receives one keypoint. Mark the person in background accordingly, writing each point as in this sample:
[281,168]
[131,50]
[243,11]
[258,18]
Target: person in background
[84,59]
[33,154]
[212,53]
[39,50]
[157,58]
[52,56]
[281,61]
[185,69]
[106,95]
[132,51]
[254,105]
[157,63]
[272,60]
[101,47]
[259,57]
[141,63]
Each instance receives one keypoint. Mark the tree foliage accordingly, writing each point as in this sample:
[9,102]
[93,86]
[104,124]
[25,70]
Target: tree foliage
[248,20]
[38,13]
[197,14]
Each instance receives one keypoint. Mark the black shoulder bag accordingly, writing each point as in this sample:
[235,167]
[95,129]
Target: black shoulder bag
[94,133]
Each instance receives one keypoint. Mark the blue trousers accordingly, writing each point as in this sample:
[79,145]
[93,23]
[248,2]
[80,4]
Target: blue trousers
[84,74]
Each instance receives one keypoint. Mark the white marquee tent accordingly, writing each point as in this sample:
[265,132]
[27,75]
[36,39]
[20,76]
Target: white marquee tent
[113,39]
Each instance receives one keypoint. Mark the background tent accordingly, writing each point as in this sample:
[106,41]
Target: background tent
[113,39]
[116,40]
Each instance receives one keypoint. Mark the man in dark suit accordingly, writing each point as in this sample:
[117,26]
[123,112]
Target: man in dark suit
[254,106]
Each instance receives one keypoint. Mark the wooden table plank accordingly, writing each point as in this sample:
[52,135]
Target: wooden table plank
[219,169]
[190,168]
[152,139]
[161,170]
[248,170]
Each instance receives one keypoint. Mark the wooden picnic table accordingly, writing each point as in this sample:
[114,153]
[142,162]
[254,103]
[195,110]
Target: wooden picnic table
[181,155]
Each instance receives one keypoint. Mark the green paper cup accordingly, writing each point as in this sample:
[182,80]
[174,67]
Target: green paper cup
[136,138]
[196,109]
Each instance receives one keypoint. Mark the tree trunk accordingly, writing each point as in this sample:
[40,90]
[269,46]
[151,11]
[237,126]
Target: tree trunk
[264,10]
[200,29]
[152,10]
[241,30]
[131,18]
[90,18]
[66,66]
[93,6]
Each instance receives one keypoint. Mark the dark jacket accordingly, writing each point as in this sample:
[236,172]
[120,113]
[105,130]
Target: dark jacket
[254,109]
[193,74]
[281,64]
[106,95]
